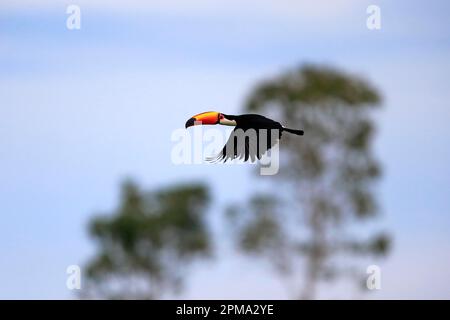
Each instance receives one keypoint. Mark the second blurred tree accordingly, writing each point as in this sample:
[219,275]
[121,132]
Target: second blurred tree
[326,177]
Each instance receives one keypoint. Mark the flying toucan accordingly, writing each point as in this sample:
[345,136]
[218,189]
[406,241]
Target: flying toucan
[252,136]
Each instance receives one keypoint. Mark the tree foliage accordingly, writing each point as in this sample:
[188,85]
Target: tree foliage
[326,180]
[146,244]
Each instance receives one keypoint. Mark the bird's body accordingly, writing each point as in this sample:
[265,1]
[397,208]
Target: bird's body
[252,136]
[254,121]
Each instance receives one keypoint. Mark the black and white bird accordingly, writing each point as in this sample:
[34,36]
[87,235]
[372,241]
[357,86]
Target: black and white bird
[251,138]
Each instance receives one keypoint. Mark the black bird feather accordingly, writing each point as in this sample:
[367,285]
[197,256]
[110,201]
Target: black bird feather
[251,128]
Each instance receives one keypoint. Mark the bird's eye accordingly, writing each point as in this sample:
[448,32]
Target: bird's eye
[221,116]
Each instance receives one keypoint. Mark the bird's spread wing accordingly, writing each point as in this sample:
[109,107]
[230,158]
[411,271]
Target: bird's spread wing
[247,144]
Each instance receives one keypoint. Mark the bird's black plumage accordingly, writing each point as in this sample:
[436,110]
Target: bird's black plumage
[252,137]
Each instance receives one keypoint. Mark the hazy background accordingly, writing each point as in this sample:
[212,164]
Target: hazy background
[80,110]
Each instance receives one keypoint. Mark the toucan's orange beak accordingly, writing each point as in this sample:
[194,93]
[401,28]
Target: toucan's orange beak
[210,117]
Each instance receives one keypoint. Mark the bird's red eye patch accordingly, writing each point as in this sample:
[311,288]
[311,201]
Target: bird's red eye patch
[221,116]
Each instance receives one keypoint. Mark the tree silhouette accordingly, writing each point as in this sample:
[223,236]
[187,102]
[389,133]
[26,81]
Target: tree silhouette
[146,245]
[326,180]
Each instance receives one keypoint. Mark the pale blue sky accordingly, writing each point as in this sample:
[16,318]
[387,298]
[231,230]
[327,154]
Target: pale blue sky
[81,110]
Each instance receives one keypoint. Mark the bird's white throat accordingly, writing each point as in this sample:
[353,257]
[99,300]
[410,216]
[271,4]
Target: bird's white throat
[227,122]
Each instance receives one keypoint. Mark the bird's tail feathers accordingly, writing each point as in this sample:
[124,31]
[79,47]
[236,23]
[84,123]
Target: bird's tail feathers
[294,131]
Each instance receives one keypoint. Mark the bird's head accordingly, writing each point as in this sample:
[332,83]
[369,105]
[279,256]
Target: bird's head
[210,117]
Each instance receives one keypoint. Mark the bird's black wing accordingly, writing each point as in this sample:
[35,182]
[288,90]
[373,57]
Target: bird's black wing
[247,144]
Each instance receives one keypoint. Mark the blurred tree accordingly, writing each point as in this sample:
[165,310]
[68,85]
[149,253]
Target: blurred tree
[145,246]
[326,177]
